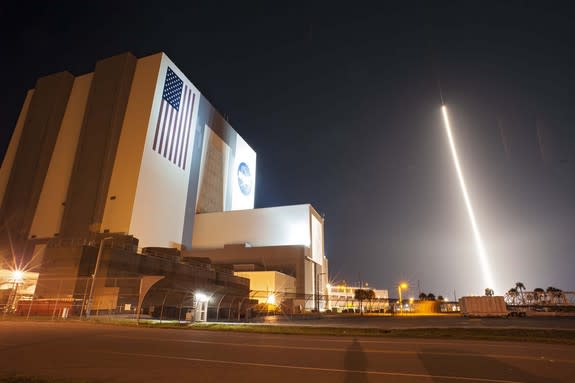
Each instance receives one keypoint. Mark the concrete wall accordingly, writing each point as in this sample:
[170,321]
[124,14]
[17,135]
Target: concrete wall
[161,194]
[213,173]
[289,260]
[124,181]
[269,282]
[33,154]
[8,161]
[48,215]
[97,145]
[277,226]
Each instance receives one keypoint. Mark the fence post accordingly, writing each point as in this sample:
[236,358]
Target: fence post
[182,306]
[240,303]
[162,309]
[230,308]
[218,309]
[84,301]
[30,307]
[57,299]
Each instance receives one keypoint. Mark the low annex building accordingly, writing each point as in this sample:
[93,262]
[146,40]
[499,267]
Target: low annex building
[287,239]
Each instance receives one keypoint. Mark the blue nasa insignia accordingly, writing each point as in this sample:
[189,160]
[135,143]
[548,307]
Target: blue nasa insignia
[244,179]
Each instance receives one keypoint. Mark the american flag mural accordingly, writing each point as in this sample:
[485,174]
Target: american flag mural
[174,120]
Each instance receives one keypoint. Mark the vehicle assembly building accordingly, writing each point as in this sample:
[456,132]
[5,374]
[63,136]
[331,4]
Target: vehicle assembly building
[135,152]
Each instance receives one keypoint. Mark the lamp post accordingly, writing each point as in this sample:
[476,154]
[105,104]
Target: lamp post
[328,285]
[17,278]
[402,285]
[317,278]
[91,296]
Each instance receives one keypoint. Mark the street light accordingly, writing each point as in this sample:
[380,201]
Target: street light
[401,286]
[201,314]
[17,278]
[91,296]
[271,300]
[201,297]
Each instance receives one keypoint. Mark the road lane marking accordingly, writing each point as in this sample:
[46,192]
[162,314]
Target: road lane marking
[306,368]
[408,341]
[394,352]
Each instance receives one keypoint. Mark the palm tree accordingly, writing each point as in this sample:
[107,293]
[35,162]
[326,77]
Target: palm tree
[370,296]
[520,287]
[440,298]
[362,295]
[512,293]
[538,294]
[431,296]
[555,294]
[422,296]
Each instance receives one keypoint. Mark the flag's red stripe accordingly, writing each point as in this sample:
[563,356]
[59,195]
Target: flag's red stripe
[175,130]
[185,127]
[182,129]
[169,130]
[181,125]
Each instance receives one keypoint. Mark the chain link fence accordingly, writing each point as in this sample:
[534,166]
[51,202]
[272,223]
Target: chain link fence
[118,298]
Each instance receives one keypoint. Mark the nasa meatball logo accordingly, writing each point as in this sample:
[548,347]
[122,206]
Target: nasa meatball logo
[244,179]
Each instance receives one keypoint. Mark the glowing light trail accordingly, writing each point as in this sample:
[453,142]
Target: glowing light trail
[478,242]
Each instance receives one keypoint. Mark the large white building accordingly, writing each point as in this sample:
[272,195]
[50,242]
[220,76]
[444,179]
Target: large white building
[135,148]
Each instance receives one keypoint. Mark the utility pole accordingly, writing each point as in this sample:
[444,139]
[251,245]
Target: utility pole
[91,296]
[317,279]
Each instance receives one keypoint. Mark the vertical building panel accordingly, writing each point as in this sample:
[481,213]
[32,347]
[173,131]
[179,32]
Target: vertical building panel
[212,174]
[122,190]
[10,154]
[208,117]
[34,152]
[97,145]
[160,201]
[48,215]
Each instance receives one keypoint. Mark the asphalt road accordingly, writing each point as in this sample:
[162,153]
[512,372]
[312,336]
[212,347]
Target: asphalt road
[125,354]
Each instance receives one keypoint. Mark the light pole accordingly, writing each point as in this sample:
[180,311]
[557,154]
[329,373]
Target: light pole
[17,278]
[402,285]
[328,286]
[317,278]
[91,296]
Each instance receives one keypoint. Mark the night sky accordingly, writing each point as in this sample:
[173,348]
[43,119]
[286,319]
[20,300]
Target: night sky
[342,106]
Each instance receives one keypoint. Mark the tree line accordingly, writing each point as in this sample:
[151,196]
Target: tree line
[517,294]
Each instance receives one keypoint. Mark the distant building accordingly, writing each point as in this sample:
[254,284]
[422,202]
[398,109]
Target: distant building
[135,149]
[341,297]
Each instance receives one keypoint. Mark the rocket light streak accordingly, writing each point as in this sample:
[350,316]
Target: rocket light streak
[478,242]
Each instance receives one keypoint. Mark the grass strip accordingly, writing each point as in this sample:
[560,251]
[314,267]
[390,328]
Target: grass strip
[497,334]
